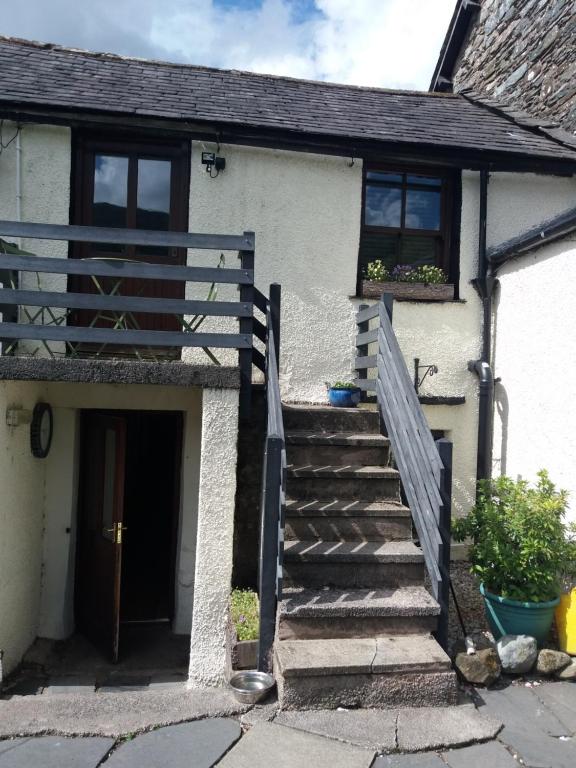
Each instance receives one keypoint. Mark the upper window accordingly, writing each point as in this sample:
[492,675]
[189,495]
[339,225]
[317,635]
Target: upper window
[405,218]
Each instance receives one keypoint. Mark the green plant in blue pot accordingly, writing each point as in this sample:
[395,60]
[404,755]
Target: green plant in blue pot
[519,546]
[343,394]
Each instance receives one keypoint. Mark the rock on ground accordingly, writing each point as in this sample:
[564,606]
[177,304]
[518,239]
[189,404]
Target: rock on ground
[480,668]
[518,653]
[569,672]
[549,661]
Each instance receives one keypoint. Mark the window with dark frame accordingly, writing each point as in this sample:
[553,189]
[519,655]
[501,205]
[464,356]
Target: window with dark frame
[406,218]
[137,183]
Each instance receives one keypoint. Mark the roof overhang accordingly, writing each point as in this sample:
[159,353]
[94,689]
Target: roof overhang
[327,144]
[463,15]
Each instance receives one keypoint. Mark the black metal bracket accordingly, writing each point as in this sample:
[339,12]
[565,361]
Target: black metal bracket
[430,370]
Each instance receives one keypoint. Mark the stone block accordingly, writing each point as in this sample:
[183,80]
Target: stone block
[518,653]
[550,661]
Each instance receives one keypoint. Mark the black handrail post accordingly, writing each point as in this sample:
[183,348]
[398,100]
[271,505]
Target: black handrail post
[362,350]
[444,447]
[246,326]
[275,306]
[388,301]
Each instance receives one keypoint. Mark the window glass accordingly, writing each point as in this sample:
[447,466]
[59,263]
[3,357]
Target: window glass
[380,247]
[422,209]
[383,207]
[110,191]
[153,197]
[417,250]
[427,181]
[110,198]
[382,176]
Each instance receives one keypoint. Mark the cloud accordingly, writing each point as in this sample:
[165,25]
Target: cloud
[389,43]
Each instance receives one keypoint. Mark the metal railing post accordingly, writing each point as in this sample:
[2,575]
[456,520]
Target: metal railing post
[275,307]
[444,447]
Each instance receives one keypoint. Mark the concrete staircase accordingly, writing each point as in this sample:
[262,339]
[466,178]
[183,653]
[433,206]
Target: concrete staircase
[355,622]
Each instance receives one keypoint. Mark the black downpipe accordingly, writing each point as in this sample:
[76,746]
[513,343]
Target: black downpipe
[484,285]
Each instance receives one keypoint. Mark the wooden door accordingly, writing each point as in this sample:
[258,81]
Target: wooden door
[138,185]
[100,530]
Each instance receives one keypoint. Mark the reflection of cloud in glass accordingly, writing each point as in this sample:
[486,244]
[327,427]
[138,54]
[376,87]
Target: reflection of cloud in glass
[422,209]
[383,207]
[111,180]
[154,185]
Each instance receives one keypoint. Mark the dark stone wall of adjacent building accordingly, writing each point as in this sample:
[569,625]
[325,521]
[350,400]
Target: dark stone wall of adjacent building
[523,53]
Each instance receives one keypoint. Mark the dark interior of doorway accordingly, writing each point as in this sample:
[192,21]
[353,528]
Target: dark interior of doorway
[151,510]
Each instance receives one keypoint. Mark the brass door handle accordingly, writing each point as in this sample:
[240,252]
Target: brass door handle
[117,531]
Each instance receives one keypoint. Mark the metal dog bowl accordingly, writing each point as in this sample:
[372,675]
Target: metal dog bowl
[251,686]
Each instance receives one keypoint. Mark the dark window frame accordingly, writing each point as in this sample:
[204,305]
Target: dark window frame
[134,147]
[447,237]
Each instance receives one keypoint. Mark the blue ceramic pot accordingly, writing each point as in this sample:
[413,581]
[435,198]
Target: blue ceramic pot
[514,617]
[344,398]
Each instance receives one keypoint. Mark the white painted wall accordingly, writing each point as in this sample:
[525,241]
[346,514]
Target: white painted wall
[45,191]
[60,499]
[535,417]
[45,188]
[21,512]
[215,535]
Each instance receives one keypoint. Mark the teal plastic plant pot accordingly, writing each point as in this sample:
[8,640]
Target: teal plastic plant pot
[513,617]
[344,398]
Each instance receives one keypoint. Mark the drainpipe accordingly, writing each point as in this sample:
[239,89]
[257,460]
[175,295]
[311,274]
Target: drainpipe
[484,285]
[19,180]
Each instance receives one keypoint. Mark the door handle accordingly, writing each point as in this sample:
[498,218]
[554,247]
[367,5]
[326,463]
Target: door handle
[117,531]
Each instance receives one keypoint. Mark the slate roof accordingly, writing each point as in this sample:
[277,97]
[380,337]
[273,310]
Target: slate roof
[59,78]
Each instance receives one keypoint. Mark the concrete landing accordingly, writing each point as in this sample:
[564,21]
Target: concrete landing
[267,744]
[111,714]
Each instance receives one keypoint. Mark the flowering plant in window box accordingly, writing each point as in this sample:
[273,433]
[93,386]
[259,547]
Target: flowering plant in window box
[407,281]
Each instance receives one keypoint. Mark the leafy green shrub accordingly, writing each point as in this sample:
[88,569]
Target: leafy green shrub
[520,542]
[377,272]
[245,612]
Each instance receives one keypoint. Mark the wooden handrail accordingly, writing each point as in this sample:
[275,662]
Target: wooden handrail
[425,466]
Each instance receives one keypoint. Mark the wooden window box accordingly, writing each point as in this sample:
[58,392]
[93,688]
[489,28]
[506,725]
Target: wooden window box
[415,291]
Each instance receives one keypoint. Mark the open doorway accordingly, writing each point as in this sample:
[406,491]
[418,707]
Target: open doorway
[128,510]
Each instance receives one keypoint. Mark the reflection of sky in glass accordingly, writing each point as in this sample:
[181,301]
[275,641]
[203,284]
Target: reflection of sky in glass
[111,180]
[422,209]
[154,185]
[383,207]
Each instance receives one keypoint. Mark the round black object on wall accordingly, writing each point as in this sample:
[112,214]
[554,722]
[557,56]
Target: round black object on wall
[41,430]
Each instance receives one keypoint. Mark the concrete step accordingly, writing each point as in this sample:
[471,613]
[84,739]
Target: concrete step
[346,520]
[387,671]
[351,565]
[336,448]
[321,418]
[350,482]
[330,613]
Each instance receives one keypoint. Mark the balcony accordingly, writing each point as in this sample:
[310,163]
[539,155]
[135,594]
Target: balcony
[103,308]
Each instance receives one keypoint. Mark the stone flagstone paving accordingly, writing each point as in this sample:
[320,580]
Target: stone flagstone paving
[539,727]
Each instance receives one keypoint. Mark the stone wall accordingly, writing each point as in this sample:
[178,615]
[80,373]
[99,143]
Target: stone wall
[522,52]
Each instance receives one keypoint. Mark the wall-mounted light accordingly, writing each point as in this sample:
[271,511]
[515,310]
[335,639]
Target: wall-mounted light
[17,416]
[212,161]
